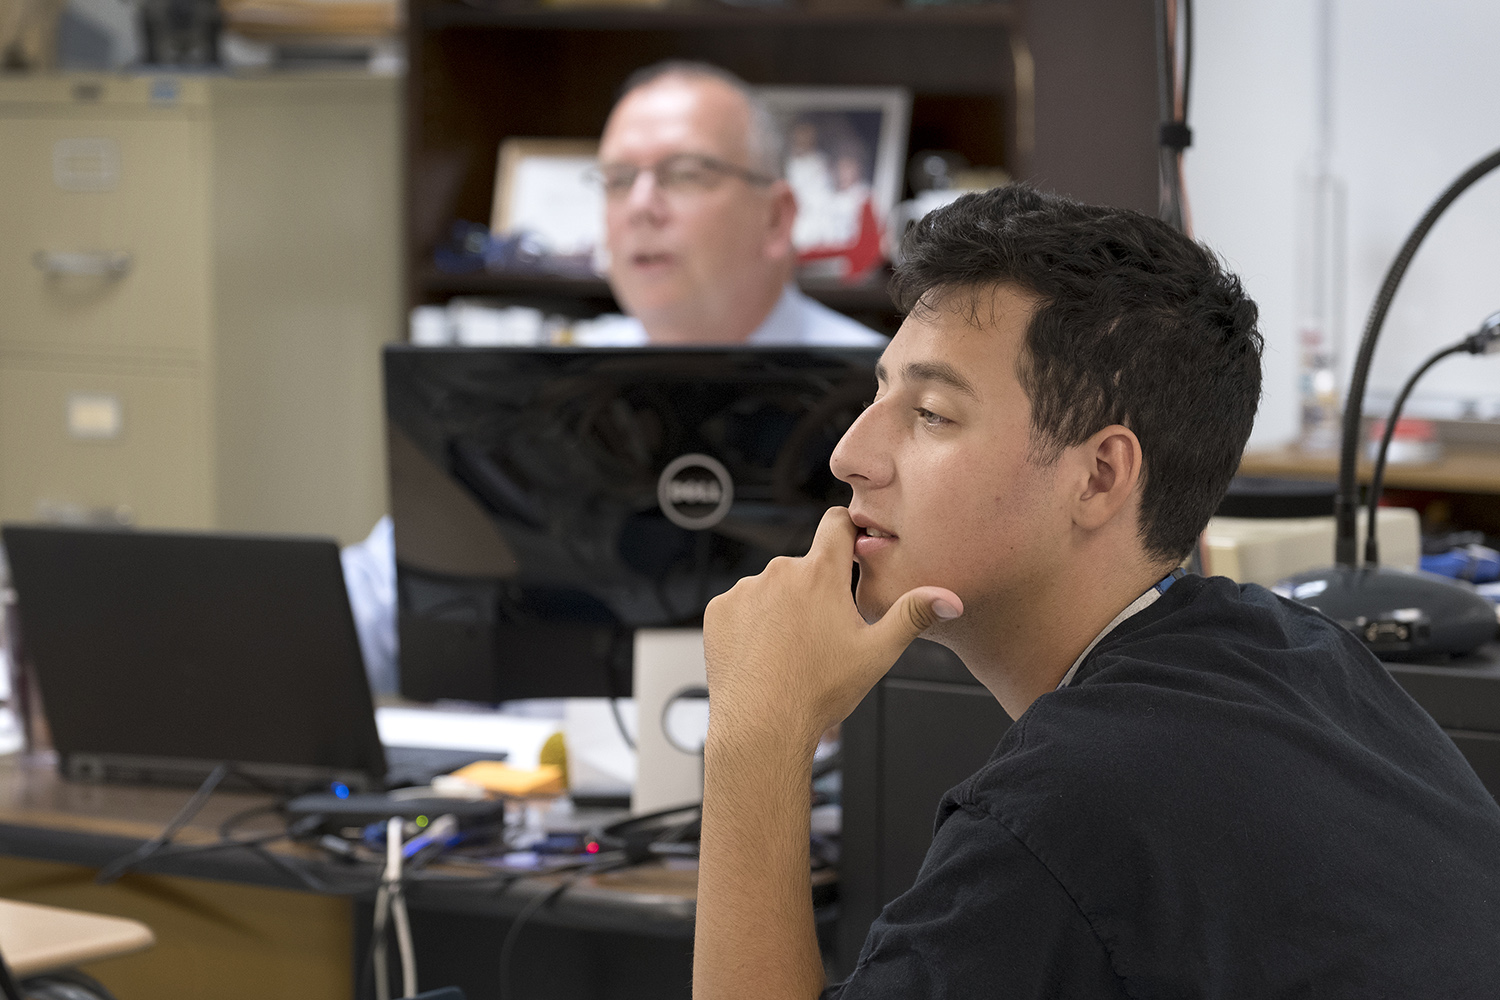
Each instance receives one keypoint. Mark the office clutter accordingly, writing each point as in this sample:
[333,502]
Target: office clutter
[500,778]
[28,34]
[1463,555]
[1265,550]
[548,207]
[302,33]
[478,322]
[181,32]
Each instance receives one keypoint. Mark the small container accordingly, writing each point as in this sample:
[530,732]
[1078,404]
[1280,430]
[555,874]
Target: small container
[1414,443]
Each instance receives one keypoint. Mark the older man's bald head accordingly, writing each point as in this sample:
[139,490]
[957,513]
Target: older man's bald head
[764,137]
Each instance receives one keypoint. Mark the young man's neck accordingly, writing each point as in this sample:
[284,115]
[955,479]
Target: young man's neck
[1023,650]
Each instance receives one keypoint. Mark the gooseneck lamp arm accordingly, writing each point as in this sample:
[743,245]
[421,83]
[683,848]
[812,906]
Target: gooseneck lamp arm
[1346,544]
[1485,340]
[1377,477]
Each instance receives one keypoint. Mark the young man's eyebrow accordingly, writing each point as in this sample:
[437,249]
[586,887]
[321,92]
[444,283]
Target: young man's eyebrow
[940,372]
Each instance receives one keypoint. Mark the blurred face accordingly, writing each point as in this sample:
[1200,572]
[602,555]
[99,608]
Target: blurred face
[705,255]
[945,491]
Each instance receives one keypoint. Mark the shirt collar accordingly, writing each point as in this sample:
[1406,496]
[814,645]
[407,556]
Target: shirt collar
[1150,597]
[783,324]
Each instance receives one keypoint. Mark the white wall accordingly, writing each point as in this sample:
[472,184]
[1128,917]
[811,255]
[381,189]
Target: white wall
[1415,103]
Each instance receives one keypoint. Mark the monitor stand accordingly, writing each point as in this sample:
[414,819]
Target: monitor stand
[668,666]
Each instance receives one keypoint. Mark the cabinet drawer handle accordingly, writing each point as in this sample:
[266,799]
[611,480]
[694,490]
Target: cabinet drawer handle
[112,264]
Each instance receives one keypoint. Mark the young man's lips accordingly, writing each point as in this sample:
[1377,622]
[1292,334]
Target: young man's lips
[872,541]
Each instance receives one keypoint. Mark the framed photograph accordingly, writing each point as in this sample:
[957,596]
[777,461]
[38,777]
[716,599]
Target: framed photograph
[543,188]
[846,158]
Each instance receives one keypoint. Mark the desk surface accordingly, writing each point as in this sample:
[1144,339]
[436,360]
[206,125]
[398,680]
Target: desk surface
[1462,469]
[46,818]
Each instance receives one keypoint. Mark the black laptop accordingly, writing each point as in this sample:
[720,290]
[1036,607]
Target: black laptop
[161,655]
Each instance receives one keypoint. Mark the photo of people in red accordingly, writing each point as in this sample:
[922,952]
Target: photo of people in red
[831,168]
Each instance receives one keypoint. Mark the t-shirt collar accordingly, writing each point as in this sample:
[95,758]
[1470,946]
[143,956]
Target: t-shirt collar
[1150,597]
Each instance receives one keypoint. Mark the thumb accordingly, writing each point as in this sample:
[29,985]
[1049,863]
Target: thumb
[915,612]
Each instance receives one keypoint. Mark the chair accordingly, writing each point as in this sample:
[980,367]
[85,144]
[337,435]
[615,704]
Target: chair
[40,945]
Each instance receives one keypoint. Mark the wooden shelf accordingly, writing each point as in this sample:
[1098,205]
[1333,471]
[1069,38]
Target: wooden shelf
[1460,470]
[1062,94]
[437,285]
[479,14]
[434,284]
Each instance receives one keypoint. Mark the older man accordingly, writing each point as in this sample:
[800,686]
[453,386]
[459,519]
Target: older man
[699,218]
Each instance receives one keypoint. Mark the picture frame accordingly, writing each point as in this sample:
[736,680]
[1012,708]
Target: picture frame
[846,148]
[543,188]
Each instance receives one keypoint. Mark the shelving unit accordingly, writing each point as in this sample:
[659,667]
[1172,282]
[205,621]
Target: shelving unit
[1061,93]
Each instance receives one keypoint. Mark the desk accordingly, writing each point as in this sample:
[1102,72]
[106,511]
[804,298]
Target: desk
[233,924]
[1467,477]
[1460,470]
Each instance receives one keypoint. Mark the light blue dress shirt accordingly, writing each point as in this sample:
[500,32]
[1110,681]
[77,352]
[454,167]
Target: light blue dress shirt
[795,320]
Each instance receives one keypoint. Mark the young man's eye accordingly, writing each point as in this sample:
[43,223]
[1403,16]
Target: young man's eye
[929,418]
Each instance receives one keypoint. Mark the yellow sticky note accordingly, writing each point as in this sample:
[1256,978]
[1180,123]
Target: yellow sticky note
[494,776]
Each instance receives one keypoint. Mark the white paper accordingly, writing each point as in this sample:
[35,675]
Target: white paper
[553,198]
[520,738]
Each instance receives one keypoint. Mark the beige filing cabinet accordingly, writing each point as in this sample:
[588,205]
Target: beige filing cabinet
[196,276]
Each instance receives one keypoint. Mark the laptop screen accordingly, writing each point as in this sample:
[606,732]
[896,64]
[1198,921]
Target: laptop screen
[194,648]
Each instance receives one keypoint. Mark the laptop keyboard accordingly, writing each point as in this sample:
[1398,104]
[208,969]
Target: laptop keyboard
[419,765]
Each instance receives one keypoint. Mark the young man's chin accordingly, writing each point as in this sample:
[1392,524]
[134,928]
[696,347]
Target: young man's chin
[871,602]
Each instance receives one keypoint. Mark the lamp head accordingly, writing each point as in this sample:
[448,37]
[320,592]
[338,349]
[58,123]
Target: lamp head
[1399,614]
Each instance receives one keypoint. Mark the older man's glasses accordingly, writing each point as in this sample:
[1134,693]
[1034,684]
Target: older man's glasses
[683,174]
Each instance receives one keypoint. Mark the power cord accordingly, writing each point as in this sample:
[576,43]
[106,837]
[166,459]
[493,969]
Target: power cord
[1174,18]
[614,709]
[118,867]
[508,947]
[390,905]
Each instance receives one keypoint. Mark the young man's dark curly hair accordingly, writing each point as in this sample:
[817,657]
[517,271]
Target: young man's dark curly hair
[1135,324]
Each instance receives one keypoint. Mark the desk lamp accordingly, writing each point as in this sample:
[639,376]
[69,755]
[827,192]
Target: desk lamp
[1399,614]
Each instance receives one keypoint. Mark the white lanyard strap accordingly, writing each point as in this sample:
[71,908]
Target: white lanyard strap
[1150,597]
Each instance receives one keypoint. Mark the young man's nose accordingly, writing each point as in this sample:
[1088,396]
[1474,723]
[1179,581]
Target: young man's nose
[863,453]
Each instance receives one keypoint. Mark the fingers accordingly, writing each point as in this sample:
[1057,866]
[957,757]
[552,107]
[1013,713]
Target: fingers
[915,612]
[835,535]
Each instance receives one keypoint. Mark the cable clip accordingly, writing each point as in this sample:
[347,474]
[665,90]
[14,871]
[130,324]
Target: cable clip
[1176,136]
[1485,340]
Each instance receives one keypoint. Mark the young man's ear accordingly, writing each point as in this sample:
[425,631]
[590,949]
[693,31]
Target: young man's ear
[1108,472]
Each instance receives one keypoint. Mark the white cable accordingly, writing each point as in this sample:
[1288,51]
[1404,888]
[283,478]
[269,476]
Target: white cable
[391,887]
[377,944]
[404,946]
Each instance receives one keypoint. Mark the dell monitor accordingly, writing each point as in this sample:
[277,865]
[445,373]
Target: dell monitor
[548,502]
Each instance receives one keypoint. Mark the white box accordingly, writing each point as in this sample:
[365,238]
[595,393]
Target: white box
[667,663]
[1265,550]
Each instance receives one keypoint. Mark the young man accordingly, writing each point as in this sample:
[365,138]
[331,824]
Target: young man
[1208,791]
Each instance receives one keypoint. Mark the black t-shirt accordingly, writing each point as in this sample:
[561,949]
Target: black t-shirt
[1232,799]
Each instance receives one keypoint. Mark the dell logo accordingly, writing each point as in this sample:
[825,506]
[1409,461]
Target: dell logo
[695,491]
